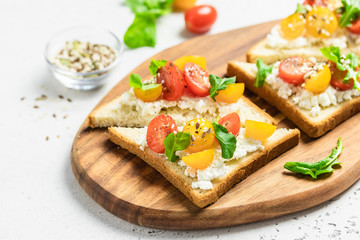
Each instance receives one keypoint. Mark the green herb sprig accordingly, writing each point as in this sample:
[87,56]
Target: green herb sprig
[142,32]
[218,84]
[135,82]
[263,71]
[227,140]
[155,65]
[320,167]
[176,142]
[350,12]
[300,9]
[333,54]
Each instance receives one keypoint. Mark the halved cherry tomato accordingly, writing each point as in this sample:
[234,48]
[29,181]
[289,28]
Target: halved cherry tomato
[182,5]
[319,82]
[231,122]
[321,22]
[258,130]
[293,26]
[172,80]
[199,19]
[355,27]
[157,131]
[293,69]
[148,95]
[200,160]
[337,78]
[231,94]
[202,134]
[197,79]
[199,60]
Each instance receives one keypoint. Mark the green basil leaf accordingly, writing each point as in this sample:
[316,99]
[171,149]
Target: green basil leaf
[262,73]
[218,84]
[137,5]
[135,81]
[300,9]
[176,142]
[141,32]
[155,65]
[351,12]
[332,53]
[227,140]
[354,60]
[320,167]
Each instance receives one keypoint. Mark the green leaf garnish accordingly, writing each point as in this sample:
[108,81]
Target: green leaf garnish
[262,73]
[227,140]
[347,63]
[155,65]
[351,12]
[218,84]
[300,9]
[317,168]
[176,142]
[142,31]
[135,82]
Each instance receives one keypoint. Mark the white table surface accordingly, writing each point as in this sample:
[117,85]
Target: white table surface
[39,196]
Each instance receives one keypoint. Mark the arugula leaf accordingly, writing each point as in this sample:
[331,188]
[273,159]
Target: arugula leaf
[142,32]
[263,71]
[155,65]
[347,63]
[135,82]
[218,84]
[320,167]
[176,142]
[227,140]
[351,11]
[301,9]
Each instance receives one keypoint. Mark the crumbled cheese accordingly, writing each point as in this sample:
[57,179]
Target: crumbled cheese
[205,185]
[275,40]
[305,99]
[141,139]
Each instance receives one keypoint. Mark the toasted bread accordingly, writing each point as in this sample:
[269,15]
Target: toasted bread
[239,169]
[314,126]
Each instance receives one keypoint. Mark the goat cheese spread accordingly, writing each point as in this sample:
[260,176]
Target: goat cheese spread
[305,99]
[341,38]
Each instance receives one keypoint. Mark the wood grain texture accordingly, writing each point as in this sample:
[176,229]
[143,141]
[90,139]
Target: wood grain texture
[130,189]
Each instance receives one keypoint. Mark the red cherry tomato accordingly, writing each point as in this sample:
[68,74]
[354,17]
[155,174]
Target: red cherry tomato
[172,80]
[231,122]
[293,69]
[322,3]
[157,131]
[355,27]
[199,19]
[337,77]
[197,79]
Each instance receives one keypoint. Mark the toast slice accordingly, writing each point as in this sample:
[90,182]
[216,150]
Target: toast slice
[314,126]
[128,111]
[237,169]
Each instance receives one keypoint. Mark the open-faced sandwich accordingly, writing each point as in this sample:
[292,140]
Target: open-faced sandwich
[315,24]
[315,95]
[196,129]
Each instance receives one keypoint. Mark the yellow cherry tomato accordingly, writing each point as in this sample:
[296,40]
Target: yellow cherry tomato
[321,22]
[258,130]
[231,94]
[320,81]
[182,5]
[202,134]
[199,160]
[199,60]
[148,95]
[293,26]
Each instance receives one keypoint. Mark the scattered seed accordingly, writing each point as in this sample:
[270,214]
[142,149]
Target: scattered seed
[197,132]
[69,100]
[197,125]
[47,138]
[203,135]
[54,115]
[192,138]
[65,116]
[42,97]
[22,99]
[209,130]
[36,106]
[61,96]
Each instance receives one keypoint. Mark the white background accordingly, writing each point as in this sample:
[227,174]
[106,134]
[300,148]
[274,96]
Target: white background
[39,196]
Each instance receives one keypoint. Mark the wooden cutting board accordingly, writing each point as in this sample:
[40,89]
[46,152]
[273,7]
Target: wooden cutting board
[127,187]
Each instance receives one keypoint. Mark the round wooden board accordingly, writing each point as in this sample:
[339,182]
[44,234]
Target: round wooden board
[130,189]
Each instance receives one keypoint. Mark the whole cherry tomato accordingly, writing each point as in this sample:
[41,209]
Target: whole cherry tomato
[157,131]
[199,19]
[172,80]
